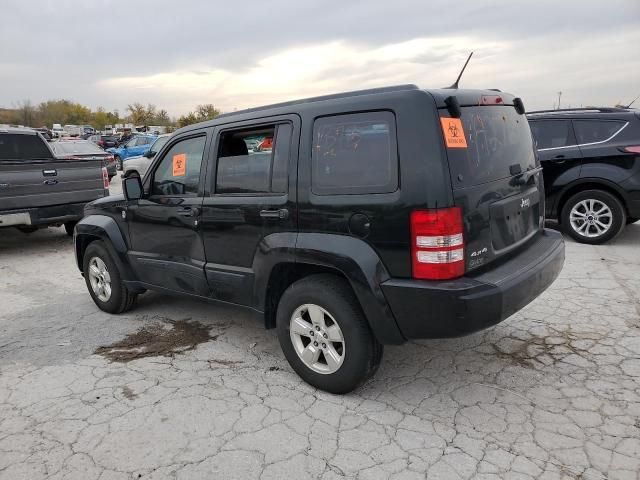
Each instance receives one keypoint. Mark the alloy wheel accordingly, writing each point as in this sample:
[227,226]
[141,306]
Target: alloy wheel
[591,218]
[317,338]
[100,279]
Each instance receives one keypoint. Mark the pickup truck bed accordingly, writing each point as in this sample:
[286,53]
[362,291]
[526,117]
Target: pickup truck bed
[38,189]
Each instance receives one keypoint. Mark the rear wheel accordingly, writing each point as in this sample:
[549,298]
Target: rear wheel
[325,336]
[103,280]
[118,162]
[593,217]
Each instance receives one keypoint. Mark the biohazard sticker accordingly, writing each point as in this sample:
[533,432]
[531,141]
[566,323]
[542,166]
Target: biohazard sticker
[179,165]
[453,132]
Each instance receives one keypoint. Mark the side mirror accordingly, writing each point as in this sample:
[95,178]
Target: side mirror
[132,188]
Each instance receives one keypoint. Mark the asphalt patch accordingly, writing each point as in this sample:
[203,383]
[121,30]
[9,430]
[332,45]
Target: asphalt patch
[158,340]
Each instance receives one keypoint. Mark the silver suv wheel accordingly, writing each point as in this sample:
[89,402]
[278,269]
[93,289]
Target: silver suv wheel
[317,338]
[591,218]
[100,279]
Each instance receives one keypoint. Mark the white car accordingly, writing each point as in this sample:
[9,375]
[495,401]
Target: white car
[58,131]
[138,166]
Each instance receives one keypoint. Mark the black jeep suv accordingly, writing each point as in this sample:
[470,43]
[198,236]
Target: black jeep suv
[591,169]
[365,218]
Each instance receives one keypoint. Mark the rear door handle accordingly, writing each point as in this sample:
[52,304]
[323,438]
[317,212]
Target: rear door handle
[281,213]
[559,158]
[189,211]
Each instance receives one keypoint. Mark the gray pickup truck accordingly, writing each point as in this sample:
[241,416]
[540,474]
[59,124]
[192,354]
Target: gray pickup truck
[38,189]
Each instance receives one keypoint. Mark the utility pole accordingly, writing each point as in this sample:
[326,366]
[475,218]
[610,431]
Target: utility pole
[559,96]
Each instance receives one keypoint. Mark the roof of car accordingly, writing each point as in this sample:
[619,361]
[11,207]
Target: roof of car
[465,97]
[586,112]
[19,130]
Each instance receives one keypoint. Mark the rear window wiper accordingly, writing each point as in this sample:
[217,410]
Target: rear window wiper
[524,177]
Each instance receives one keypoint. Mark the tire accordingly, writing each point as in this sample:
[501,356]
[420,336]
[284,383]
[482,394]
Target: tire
[68,227]
[118,161]
[120,298]
[131,173]
[26,229]
[631,220]
[614,217]
[359,351]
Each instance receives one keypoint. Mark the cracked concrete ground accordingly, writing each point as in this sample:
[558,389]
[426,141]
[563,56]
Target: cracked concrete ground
[553,392]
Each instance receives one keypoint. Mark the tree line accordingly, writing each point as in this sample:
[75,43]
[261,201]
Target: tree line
[66,112]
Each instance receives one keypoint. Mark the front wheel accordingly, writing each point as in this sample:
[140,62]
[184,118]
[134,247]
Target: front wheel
[103,280]
[593,217]
[325,336]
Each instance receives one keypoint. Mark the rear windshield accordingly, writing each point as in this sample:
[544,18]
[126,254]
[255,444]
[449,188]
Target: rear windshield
[62,148]
[23,147]
[498,140]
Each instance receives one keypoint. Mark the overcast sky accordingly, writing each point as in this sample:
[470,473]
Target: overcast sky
[177,54]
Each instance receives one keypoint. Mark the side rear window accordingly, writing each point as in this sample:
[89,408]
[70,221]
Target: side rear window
[179,171]
[590,131]
[254,161]
[552,133]
[22,147]
[354,154]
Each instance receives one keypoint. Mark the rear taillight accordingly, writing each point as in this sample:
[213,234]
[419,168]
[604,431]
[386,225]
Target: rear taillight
[437,244]
[105,177]
[632,149]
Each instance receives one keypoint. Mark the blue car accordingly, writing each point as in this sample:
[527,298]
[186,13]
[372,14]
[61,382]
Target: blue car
[138,145]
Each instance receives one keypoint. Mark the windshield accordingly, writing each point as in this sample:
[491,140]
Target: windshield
[75,147]
[498,141]
[22,147]
[158,144]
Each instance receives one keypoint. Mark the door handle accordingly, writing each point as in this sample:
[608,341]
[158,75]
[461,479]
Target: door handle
[189,211]
[281,213]
[560,158]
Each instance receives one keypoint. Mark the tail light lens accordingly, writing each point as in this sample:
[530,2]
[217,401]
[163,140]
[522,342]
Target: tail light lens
[437,244]
[632,149]
[105,177]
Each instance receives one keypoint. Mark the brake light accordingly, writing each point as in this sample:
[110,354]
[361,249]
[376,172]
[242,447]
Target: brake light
[491,100]
[105,177]
[437,243]
[633,149]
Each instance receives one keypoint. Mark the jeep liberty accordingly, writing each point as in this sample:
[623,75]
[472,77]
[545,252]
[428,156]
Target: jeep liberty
[346,222]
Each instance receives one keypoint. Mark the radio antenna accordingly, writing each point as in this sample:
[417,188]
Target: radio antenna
[455,85]
[633,101]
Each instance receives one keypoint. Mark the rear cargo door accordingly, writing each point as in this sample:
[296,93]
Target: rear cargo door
[496,180]
[31,177]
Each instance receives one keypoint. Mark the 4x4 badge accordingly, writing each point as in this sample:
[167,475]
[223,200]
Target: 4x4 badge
[525,203]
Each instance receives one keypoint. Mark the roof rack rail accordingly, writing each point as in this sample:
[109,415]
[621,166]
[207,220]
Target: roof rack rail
[581,109]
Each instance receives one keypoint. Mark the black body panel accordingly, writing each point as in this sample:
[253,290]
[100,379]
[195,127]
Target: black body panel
[459,307]
[580,163]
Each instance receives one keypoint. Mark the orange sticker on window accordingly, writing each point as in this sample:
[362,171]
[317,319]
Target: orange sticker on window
[453,132]
[180,165]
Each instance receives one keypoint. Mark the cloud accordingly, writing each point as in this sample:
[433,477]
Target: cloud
[307,71]
[177,55]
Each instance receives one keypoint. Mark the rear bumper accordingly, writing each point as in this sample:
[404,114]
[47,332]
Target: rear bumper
[441,309]
[41,216]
